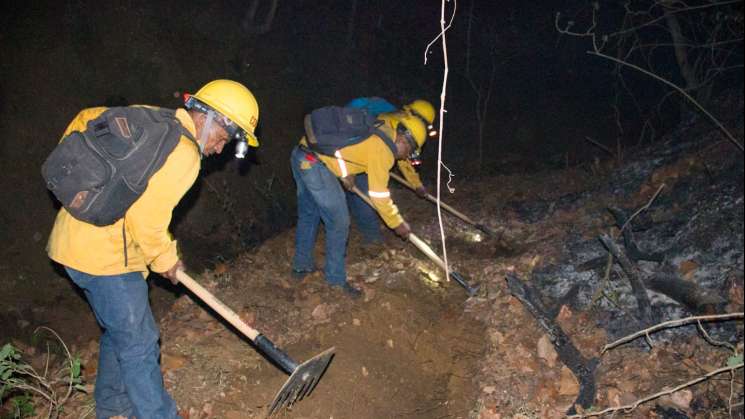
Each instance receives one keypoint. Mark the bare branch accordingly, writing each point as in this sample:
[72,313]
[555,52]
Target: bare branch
[679,89]
[671,324]
[629,407]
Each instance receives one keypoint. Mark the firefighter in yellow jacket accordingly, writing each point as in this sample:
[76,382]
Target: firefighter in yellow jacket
[321,196]
[109,263]
[364,217]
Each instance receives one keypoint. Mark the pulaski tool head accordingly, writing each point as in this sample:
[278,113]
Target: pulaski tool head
[302,381]
[463,283]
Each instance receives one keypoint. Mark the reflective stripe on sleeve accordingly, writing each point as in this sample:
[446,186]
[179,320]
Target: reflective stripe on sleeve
[379,195]
[342,164]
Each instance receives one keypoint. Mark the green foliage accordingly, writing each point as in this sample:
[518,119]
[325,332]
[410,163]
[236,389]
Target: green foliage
[27,390]
[734,360]
[23,406]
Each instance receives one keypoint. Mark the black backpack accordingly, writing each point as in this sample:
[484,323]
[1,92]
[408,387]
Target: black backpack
[97,174]
[332,128]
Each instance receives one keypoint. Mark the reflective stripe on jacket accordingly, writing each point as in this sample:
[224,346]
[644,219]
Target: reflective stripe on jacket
[100,250]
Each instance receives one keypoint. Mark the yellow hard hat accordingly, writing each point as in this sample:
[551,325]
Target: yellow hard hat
[415,126]
[422,109]
[234,101]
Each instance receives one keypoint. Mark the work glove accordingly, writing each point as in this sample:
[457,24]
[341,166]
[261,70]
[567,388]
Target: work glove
[171,273]
[422,192]
[403,231]
[348,183]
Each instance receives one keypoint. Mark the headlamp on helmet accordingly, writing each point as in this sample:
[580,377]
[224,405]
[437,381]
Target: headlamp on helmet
[431,131]
[234,131]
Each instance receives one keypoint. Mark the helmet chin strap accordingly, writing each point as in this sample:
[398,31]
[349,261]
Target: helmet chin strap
[206,128]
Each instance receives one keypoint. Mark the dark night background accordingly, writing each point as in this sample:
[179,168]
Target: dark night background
[547,97]
[58,57]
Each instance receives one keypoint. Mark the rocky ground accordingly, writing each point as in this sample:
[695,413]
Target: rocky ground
[416,346]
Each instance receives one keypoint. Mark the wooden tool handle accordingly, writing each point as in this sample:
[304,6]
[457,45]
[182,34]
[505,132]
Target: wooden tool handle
[424,247]
[229,315]
[432,199]
[413,238]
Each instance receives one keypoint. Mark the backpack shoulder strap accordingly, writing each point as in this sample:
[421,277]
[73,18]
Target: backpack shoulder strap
[386,139]
[169,115]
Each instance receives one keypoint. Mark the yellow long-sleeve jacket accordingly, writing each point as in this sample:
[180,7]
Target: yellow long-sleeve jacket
[374,157]
[100,250]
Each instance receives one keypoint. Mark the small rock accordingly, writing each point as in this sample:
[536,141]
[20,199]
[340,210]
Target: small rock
[680,400]
[569,386]
[564,314]
[248,316]
[356,322]
[613,396]
[322,313]
[369,294]
[371,279]
[172,362]
[365,372]
[205,316]
[688,269]
[489,413]
[489,390]
[546,351]
[390,343]
[496,337]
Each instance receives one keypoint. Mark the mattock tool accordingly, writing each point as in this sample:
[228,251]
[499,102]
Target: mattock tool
[303,378]
[427,250]
[447,208]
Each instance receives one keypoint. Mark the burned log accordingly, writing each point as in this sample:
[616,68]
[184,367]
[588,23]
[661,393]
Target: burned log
[696,299]
[632,249]
[635,278]
[582,368]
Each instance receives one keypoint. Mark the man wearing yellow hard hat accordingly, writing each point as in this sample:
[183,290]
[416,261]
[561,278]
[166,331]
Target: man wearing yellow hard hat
[109,258]
[365,217]
[317,168]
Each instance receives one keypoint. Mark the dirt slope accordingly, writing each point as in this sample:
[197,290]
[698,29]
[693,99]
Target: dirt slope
[418,347]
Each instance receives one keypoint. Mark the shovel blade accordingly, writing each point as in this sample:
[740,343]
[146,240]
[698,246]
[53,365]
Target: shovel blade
[302,381]
[463,283]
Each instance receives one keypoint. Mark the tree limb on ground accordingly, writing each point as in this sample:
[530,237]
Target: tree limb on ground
[670,324]
[635,278]
[629,407]
[582,368]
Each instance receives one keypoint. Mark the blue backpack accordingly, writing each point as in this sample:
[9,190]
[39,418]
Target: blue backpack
[374,105]
[332,128]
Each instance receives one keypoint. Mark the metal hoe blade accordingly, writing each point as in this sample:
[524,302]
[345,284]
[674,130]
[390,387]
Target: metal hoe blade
[302,381]
[463,283]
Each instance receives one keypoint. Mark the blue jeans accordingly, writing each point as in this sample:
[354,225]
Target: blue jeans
[320,197]
[129,382]
[365,217]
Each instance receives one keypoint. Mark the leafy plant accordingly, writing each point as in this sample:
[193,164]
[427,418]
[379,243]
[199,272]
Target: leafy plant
[27,387]
[23,406]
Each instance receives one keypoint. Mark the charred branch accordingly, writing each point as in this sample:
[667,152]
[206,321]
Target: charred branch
[689,294]
[635,279]
[582,368]
[632,249]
